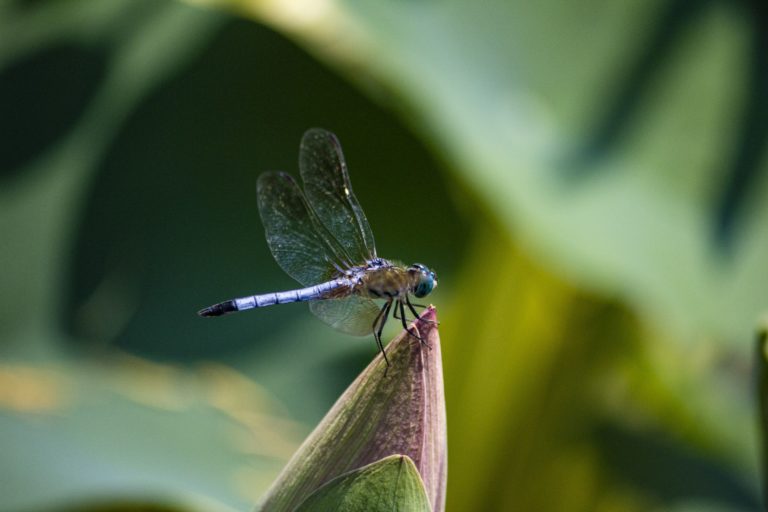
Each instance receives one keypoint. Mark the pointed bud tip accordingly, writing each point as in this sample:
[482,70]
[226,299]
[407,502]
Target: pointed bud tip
[399,411]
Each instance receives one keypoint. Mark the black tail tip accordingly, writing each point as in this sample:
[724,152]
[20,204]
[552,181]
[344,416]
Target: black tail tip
[210,311]
[219,309]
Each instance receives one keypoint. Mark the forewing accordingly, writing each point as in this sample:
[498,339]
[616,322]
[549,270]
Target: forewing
[352,315]
[329,192]
[294,235]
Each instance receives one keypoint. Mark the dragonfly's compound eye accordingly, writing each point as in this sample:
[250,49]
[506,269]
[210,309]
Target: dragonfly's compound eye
[427,281]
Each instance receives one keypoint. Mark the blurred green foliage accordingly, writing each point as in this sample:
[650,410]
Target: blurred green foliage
[588,179]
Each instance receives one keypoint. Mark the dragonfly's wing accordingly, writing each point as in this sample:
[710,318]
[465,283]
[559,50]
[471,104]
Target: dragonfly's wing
[329,192]
[352,315]
[297,239]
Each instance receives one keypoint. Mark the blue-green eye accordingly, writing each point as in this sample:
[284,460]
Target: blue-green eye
[427,280]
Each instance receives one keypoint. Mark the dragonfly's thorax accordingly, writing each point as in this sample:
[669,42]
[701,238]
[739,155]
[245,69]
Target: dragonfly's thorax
[380,279]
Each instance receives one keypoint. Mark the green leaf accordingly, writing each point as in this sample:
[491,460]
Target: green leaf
[398,410]
[137,431]
[393,483]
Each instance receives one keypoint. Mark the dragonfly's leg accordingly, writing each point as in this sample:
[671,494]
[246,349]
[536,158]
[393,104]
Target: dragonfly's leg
[416,313]
[403,319]
[378,326]
[412,332]
[410,306]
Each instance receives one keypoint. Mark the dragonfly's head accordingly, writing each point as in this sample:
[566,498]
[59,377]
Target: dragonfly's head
[423,280]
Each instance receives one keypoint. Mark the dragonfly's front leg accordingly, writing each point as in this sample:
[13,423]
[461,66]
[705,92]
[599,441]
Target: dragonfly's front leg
[415,333]
[416,313]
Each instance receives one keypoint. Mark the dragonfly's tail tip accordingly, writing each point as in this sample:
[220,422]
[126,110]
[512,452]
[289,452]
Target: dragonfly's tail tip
[219,309]
[209,311]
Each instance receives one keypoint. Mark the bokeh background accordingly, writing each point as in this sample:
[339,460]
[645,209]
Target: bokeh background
[588,178]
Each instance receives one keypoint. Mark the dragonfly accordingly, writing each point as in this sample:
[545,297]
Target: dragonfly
[320,236]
